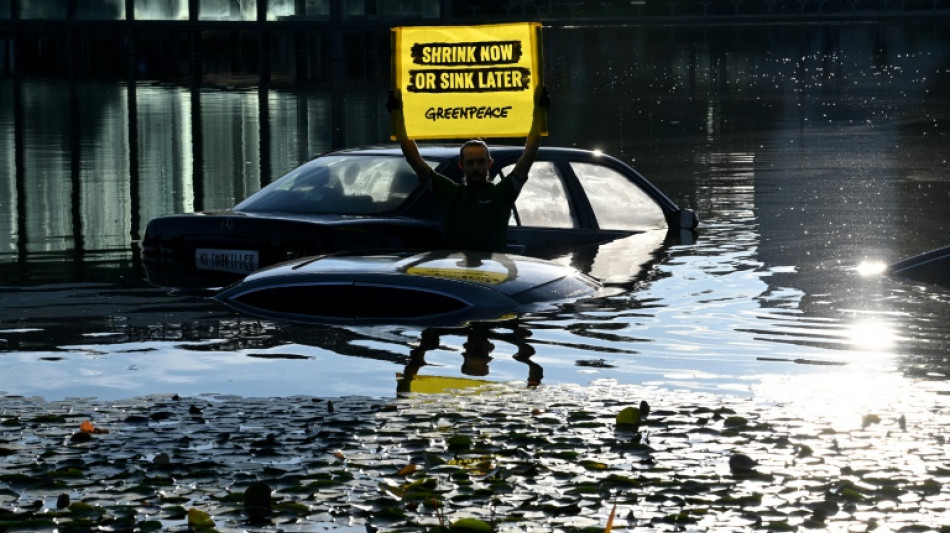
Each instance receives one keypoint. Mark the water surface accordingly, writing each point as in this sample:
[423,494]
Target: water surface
[808,151]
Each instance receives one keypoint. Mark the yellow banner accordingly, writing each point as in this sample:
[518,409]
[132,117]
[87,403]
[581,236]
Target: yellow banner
[467,81]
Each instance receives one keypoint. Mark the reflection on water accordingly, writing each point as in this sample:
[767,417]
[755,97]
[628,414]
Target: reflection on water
[111,157]
[806,150]
[476,355]
[214,9]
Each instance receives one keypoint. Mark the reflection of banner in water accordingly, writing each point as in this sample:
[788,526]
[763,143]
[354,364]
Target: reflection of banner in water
[467,81]
[436,384]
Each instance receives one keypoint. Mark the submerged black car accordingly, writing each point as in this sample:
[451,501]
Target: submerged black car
[434,288]
[370,199]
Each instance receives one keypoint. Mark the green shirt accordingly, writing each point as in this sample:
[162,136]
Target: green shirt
[476,218]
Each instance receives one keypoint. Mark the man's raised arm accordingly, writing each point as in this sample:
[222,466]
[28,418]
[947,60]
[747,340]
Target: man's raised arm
[409,148]
[541,104]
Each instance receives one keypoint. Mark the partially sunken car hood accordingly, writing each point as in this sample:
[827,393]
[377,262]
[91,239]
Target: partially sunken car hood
[435,287]
[509,274]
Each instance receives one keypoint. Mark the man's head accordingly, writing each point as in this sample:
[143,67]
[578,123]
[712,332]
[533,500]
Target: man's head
[475,162]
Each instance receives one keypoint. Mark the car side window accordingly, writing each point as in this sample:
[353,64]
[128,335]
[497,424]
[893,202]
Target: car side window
[543,200]
[618,203]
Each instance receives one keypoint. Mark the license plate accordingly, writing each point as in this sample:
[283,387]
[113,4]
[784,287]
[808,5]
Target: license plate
[237,261]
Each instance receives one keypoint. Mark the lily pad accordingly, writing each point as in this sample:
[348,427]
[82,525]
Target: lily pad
[554,458]
[628,418]
[470,525]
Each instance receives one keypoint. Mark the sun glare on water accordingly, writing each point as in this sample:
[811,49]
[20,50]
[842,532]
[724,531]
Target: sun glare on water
[873,336]
[871,268]
[864,383]
[842,398]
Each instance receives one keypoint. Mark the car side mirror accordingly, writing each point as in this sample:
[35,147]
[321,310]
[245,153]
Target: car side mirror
[686,219]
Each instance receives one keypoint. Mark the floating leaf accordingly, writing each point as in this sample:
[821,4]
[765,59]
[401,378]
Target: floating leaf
[406,470]
[398,492]
[84,509]
[929,486]
[80,437]
[851,494]
[780,526]
[459,443]
[735,421]
[423,486]
[257,501]
[161,459]
[175,512]
[616,480]
[470,525]
[293,508]
[741,464]
[628,418]
[199,520]
[521,460]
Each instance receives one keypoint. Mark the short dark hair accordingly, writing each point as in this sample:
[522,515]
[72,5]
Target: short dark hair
[473,142]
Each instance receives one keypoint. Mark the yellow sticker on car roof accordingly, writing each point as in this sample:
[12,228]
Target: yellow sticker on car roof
[464,274]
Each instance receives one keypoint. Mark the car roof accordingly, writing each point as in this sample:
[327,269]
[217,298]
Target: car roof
[451,151]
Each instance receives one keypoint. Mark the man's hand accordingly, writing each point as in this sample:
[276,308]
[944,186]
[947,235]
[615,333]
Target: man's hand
[409,148]
[397,120]
[542,101]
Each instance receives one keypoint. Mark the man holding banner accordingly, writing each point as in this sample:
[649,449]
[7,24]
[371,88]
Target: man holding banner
[476,212]
[452,82]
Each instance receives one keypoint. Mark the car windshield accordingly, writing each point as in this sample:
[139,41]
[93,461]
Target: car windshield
[338,184]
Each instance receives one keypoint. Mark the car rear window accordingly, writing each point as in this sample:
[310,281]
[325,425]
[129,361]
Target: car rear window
[618,203]
[347,184]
